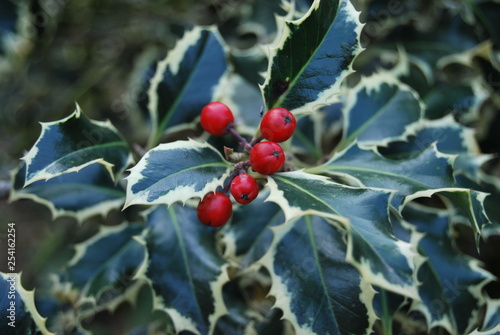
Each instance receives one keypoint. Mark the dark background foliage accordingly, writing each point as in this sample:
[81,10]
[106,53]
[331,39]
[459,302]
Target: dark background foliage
[91,52]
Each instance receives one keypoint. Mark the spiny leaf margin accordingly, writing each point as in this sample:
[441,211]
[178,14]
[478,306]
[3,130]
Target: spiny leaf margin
[143,189]
[278,84]
[73,144]
[70,182]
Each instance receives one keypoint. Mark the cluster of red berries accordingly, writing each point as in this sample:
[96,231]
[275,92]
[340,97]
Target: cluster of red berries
[266,157]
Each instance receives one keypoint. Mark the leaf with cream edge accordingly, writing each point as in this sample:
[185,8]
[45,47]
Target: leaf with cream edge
[25,318]
[429,169]
[472,176]
[250,317]
[441,96]
[176,171]
[248,237]
[450,138]
[491,323]
[313,56]
[81,195]
[314,286]
[70,144]
[110,259]
[188,78]
[382,259]
[185,268]
[374,103]
[467,203]
[133,307]
[451,282]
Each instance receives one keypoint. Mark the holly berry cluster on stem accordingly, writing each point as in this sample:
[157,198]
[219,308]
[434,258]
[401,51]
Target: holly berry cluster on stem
[264,157]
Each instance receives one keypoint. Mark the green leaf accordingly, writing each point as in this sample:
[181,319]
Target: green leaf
[491,324]
[187,79]
[70,144]
[377,101]
[133,307]
[185,269]
[18,312]
[451,282]
[460,99]
[452,35]
[315,132]
[317,290]
[474,177]
[176,171]
[81,195]
[109,259]
[249,307]
[429,169]
[386,304]
[245,101]
[313,56]
[450,138]
[382,259]
[441,95]
[442,98]
[467,203]
[247,238]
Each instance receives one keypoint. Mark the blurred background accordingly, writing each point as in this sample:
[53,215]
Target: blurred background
[54,53]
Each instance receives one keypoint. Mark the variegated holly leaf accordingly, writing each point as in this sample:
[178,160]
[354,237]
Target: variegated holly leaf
[491,323]
[18,311]
[314,286]
[442,96]
[316,133]
[452,35]
[248,237]
[250,307]
[245,101]
[374,103]
[382,259]
[463,100]
[386,304]
[134,307]
[306,141]
[467,203]
[185,268]
[429,169]
[450,138]
[451,282]
[176,171]
[471,175]
[109,259]
[70,144]
[313,56]
[82,194]
[178,86]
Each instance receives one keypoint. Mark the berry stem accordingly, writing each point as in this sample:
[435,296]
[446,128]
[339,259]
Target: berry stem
[229,179]
[243,142]
[238,168]
[256,140]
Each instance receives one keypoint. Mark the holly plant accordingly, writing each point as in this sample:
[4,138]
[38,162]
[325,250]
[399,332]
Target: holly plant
[338,189]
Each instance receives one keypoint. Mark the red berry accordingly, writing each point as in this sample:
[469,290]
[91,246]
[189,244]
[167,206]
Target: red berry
[267,157]
[215,118]
[214,209]
[244,188]
[278,125]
